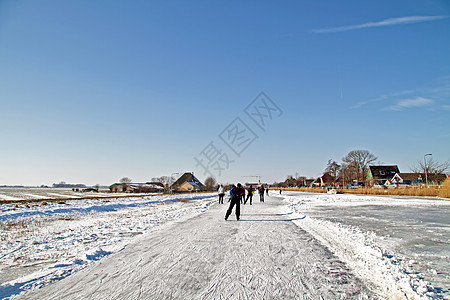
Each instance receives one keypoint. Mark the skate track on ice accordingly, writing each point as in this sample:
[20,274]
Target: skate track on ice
[262,256]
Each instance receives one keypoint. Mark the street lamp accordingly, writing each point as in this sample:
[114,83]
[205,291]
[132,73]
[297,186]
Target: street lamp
[426,169]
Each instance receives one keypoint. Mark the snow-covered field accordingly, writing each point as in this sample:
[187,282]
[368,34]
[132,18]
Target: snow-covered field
[30,193]
[399,243]
[41,244]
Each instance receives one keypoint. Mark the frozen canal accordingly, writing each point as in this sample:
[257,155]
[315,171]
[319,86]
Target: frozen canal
[396,247]
[413,233]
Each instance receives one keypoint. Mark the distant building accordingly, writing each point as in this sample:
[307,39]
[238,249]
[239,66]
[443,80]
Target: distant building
[187,183]
[325,180]
[308,182]
[418,178]
[253,184]
[62,184]
[381,174]
[149,187]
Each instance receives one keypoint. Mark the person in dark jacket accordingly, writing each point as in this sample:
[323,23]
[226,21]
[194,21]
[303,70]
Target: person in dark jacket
[236,194]
[261,193]
[249,195]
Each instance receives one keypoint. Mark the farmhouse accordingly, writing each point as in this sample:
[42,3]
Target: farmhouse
[149,187]
[418,178]
[325,180]
[187,183]
[381,174]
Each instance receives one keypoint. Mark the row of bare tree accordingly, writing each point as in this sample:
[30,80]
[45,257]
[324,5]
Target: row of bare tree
[355,166]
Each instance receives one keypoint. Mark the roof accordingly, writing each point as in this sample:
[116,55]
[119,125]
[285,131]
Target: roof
[326,178]
[190,178]
[437,177]
[139,185]
[194,184]
[156,183]
[385,172]
[419,176]
[146,185]
[411,176]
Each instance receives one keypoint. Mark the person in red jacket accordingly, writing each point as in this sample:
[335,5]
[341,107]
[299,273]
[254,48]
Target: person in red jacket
[237,193]
[261,193]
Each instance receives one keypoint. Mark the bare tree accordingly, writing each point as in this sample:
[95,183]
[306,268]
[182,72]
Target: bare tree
[168,181]
[290,181]
[346,174]
[357,162]
[210,183]
[431,167]
[333,169]
[125,180]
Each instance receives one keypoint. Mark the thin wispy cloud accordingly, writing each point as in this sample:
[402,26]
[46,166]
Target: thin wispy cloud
[434,96]
[384,97]
[386,22]
[411,103]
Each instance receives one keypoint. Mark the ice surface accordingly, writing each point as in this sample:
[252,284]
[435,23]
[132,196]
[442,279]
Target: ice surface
[397,241]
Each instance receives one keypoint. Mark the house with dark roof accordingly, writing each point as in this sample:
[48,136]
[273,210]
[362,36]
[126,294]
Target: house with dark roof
[408,178]
[325,180]
[187,183]
[418,178]
[381,174]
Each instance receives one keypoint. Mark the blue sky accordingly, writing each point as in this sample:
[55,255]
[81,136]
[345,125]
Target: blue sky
[92,91]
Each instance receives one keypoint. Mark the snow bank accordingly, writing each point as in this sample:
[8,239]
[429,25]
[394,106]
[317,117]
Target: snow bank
[7,197]
[42,244]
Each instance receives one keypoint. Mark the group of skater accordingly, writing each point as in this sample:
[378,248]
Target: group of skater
[237,197]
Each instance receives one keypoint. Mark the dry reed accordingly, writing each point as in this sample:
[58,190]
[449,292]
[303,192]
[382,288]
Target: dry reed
[433,191]
[444,192]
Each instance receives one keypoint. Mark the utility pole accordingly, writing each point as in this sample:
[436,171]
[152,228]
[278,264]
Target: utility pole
[426,168]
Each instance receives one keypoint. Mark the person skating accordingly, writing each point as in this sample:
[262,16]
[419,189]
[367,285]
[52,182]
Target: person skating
[221,192]
[267,190]
[231,188]
[261,193]
[236,195]
[249,195]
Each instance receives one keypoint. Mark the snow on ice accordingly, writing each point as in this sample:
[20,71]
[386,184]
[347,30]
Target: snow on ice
[41,244]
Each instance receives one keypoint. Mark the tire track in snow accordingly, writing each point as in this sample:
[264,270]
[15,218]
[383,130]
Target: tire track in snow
[263,256]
